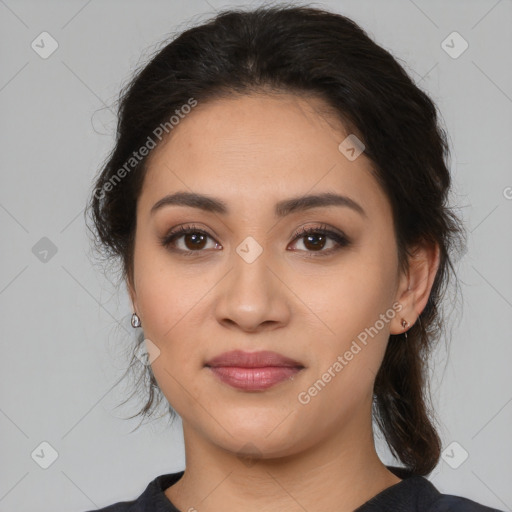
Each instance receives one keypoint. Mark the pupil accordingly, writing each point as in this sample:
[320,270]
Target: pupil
[317,244]
[197,239]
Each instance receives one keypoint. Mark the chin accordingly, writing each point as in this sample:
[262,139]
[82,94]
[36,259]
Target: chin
[264,438]
[252,448]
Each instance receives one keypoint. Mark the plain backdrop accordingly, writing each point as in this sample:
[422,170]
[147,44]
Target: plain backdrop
[65,329]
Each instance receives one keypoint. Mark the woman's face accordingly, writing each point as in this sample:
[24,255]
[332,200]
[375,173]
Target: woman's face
[254,283]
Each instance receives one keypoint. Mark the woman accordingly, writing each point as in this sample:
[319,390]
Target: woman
[277,197]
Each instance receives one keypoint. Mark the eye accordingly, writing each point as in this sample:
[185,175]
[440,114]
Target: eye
[189,239]
[315,239]
[192,240]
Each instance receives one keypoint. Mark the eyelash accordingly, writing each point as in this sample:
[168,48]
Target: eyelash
[341,240]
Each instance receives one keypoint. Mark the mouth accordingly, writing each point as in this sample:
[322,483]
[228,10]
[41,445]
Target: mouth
[254,379]
[253,371]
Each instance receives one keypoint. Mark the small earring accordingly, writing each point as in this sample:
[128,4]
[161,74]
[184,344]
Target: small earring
[135,321]
[405,324]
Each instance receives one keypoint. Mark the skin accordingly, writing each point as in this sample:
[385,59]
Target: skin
[305,303]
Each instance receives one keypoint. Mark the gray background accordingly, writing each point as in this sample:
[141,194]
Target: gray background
[65,329]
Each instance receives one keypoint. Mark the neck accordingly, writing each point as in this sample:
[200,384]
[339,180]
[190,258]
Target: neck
[340,472]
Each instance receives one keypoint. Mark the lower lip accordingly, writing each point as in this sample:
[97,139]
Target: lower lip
[254,379]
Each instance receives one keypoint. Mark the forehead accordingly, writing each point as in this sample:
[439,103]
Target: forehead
[258,147]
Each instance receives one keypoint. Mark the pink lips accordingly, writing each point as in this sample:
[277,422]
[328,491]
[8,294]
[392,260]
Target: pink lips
[253,371]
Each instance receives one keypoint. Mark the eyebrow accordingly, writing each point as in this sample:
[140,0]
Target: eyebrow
[282,208]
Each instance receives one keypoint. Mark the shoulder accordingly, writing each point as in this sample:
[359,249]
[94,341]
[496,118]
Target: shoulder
[153,497]
[415,493]
[450,503]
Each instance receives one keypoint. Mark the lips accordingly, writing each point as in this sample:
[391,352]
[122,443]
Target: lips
[253,371]
[261,359]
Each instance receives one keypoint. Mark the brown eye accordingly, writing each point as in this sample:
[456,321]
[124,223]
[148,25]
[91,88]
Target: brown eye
[194,241]
[315,240]
[187,239]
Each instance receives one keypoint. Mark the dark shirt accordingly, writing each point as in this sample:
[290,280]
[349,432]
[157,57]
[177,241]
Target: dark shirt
[412,494]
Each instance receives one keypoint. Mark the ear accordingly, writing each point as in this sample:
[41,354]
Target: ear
[415,285]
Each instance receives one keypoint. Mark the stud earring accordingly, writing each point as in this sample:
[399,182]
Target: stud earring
[135,321]
[405,324]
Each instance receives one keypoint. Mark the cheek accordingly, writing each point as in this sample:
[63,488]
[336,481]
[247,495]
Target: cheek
[354,305]
[165,294]
[172,321]
[348,297]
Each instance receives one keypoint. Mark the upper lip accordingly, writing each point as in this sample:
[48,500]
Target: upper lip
[261,359]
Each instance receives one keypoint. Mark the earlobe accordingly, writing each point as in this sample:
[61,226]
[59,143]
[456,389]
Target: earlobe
[135,319]
[405,327]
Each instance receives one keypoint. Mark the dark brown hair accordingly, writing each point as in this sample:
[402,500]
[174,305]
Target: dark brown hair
[303,50]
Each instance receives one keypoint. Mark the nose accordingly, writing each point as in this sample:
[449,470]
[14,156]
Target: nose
[253,296]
